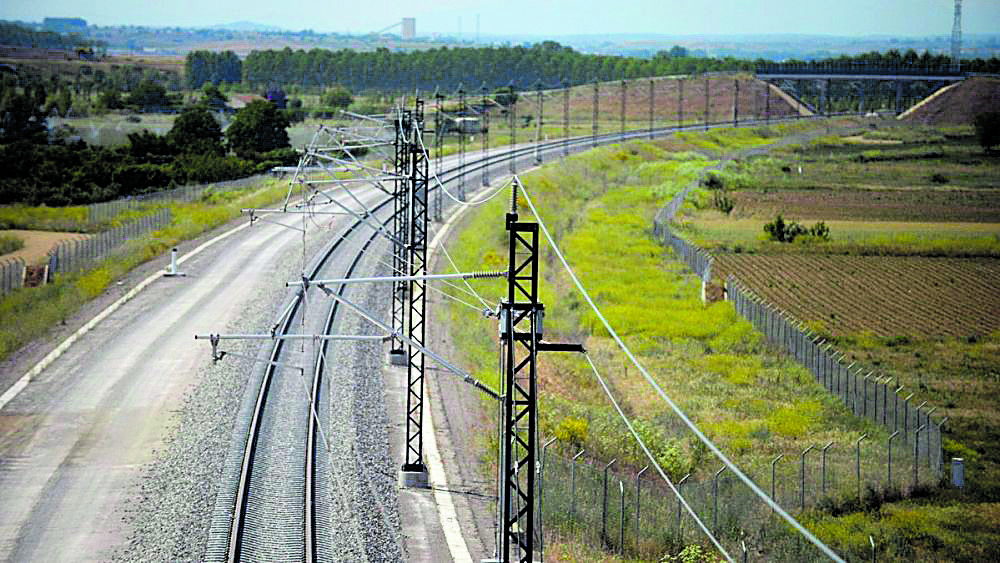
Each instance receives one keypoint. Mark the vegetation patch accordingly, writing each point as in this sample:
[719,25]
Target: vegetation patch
[29,313]
[10,243]
[753,403]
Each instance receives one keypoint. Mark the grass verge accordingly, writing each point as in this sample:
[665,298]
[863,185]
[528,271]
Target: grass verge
[754,403]
[29,313]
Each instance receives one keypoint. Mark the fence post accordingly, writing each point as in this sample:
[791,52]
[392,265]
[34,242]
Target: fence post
[928,421]
[572,501]
[715,495]
[889,475]
[679,484]
[906,417]
[825,448]
[802,477]
[541,496]
[621,531]
[774,461]
[916,455]
[940,428]
[604,513]
[895,408]
[638,503]
[857,461]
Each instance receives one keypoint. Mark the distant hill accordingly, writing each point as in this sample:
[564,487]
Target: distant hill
[247,26]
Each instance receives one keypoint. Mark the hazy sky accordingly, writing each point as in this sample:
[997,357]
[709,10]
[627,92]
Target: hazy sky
[538,17]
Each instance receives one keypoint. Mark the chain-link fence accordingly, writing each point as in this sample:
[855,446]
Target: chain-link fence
[12,271]
[105,211]
[862,390]
[633,511]
[77,255]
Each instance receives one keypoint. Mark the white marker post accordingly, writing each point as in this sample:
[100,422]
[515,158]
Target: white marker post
[172,269]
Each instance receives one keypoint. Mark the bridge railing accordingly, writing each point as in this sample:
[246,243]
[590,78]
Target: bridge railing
[856,68]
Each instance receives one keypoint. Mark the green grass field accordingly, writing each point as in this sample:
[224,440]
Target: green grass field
[29,313]
[753,402]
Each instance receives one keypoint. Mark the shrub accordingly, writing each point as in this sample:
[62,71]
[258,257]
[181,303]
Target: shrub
[780,231]
[988,129]
[10,243]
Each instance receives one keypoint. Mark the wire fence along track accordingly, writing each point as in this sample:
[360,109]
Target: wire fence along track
[228,526]
[105,211]
[12,272]
[76,255]
[865,395]
[881,400]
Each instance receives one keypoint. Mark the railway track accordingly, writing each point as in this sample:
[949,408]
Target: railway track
[272,507]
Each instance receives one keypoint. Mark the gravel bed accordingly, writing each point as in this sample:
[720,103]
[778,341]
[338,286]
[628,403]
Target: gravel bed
[172,500]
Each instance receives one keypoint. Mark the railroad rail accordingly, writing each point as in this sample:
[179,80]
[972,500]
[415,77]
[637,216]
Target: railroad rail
[252,535]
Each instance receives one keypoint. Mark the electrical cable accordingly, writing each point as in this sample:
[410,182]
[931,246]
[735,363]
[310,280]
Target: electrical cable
[673,406]
[447,193]
[652,460]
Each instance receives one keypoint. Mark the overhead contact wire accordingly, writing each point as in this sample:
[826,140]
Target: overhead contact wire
[673,406]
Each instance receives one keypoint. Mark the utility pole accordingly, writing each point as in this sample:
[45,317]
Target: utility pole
[706,101]
[650,108]
[521,317]
[401,166]
[538,130]
[512,114]
[736,102]
[414,472]
[438,138]
[680,102]
[460,121]
[624,95]
[485,130]
[565,86]
[594,130]
[956,38]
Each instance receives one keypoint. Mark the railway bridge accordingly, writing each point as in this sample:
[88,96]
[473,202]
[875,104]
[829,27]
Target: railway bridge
[826,88]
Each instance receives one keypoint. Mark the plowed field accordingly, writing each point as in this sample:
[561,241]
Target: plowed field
[887,296]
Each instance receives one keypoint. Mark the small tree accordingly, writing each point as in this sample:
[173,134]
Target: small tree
[337,97]
[988,129]
[196,131]
[148,95]
[258,127]
[213,97]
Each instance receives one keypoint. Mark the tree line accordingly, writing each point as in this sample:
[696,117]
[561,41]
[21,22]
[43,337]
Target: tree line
[446,68]
[42,170]
[20,36]
[547,63]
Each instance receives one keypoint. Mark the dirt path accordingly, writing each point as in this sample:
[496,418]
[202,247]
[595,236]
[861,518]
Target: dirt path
[37,244]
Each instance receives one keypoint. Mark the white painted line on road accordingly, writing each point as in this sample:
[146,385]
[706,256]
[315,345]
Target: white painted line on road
[21,383]
[442,497]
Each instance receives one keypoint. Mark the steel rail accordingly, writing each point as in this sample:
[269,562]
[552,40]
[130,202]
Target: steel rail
[449,175]
[240,508]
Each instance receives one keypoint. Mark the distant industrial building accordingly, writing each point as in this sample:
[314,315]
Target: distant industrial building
[409,28]
[65,25]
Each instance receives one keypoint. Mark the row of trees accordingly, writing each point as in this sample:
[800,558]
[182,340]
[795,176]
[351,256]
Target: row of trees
[548,62]
[20,36]
[38,172]
[207,66]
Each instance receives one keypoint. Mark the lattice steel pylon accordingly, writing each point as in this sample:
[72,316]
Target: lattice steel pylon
[416,253]
[520,310]
[956,37]
[401,164]
[521,320]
